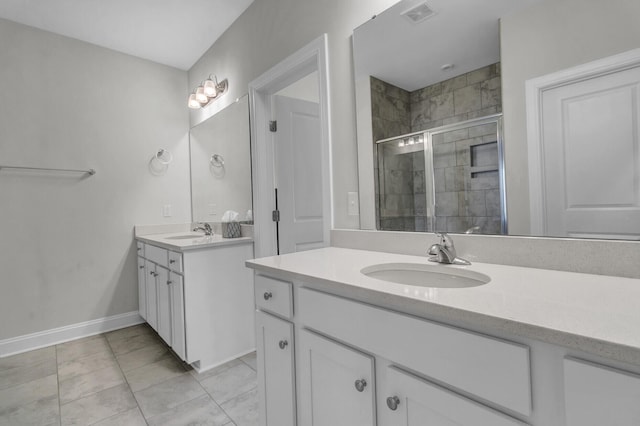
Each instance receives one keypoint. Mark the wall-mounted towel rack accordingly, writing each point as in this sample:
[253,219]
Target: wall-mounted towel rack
[90,172]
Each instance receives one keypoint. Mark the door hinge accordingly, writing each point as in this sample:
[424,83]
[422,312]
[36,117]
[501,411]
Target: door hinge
[275,215]
[273,126]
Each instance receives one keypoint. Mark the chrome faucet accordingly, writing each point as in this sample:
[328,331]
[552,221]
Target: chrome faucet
[204,227]
[445,252]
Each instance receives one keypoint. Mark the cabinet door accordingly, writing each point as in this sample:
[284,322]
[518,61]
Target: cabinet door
[152,303]
[274,343]
[596,395]
[164,304]
[142,289]
[409,400]
[337,383]
[177,314]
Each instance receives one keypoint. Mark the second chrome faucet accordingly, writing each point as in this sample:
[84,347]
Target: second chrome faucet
[445,252]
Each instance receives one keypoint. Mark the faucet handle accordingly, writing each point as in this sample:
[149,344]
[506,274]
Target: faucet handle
[445,239]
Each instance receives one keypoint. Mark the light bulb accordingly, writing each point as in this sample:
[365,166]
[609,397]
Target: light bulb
[210,89]
[200,96]
[193,102]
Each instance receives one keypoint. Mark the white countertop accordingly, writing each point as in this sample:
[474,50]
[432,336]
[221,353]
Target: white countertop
[199,240]
[594,313]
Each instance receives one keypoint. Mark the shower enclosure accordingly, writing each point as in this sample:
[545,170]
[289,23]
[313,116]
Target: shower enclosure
[448,178]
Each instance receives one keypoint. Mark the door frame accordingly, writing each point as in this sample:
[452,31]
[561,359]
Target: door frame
[535,89]
[310,58]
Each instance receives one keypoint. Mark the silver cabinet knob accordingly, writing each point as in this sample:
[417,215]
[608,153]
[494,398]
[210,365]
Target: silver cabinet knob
[360,385]
[169,282]
[141,267]
[267,295]
[172,261]
[283,344]
[393,402]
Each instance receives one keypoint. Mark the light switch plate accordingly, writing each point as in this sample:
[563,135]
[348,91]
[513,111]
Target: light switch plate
[212,209]
[166,210]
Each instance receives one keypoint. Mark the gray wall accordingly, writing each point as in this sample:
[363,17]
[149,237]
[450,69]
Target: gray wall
[67,243]
[271,30]
[548,37]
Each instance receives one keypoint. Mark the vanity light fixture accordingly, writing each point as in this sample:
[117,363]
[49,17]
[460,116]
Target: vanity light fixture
[208,91]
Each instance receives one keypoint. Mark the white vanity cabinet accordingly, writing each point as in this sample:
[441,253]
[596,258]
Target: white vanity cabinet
[199,301]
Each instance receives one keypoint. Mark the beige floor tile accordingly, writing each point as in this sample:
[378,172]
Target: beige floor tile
[19,375]
[26,393]
[78,387]
[132,417]
[28,358]
[130,344]
[86,365]
[151,353]
[169,394]
[125,333]
[45,411]
[201,411]
[230,383]
[151,374]
[81,348]
[214,371]
[251,360]
[243,409]
[98,406]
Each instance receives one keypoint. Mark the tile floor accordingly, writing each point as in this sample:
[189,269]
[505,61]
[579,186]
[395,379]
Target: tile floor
[125,377]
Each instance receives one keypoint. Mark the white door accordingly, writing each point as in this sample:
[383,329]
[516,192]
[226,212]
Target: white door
[152,301]
[591,155]
[337,383]
[298,175]
[164,304]
[274,344]
[412,401]
[142,289]
[177,314]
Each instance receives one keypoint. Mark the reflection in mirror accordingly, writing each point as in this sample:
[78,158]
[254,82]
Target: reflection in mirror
[464,59]
[221,164]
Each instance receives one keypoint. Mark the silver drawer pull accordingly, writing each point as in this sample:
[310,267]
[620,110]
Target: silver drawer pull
[360,385]
[139,248]
[141,267]
[267,295]
[283,344]
[169,282]
[393,402]
[172,261]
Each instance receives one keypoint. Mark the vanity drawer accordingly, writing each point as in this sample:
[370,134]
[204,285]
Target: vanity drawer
[494,370]
[156,255]
[140,248]
[274,296]
[175,261]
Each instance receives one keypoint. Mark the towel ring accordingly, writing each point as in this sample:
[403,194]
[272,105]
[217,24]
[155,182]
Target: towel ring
[164,156]
[217,160]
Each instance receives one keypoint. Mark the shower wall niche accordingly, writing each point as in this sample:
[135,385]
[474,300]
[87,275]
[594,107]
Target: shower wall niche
[456,185]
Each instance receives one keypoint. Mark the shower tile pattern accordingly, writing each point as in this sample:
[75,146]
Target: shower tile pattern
[463,200]
[125,377]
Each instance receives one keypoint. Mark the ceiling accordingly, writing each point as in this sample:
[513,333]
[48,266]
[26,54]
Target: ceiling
[462,33]
[171,32]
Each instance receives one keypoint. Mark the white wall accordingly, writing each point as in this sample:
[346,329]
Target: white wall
[271,30]
[553,35]
[66,243]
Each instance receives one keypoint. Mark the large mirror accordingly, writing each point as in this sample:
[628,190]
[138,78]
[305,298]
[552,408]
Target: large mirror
[221,164]
[426,76]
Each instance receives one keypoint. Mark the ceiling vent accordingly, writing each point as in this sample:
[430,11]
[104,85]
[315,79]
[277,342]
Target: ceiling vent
[419,13]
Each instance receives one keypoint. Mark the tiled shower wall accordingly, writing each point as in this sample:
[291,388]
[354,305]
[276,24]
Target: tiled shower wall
[461,201]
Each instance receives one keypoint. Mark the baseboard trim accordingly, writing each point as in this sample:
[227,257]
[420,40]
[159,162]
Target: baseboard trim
[41,339]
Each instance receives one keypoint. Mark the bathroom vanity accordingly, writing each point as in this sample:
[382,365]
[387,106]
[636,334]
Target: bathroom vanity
[197,294]
[529,347]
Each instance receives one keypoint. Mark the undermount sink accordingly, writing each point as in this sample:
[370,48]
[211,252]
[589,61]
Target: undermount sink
[423,275]
[185,236]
